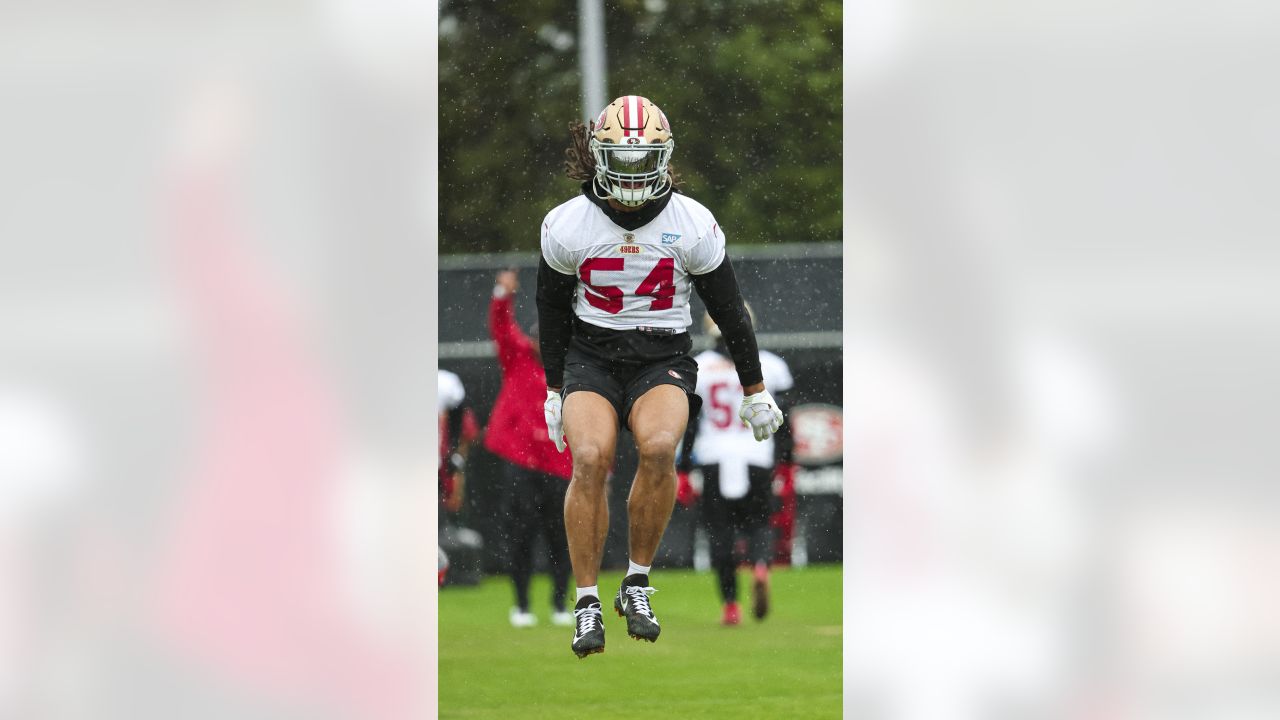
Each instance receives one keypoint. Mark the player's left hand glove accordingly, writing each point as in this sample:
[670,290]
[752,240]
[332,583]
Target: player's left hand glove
[552,410]
[761,413]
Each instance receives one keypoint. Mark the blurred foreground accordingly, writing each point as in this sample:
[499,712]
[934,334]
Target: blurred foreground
[216,491]
[1060,361]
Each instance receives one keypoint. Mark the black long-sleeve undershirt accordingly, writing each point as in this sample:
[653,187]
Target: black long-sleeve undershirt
[555,320]
[719,292]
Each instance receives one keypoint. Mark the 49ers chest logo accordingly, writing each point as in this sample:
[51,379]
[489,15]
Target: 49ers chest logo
[629,249]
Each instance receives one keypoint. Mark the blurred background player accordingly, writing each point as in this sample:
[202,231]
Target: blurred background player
[537,475]
[458,428]
[738,472]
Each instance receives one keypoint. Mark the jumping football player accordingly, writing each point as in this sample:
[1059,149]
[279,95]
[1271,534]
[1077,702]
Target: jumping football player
[618,262]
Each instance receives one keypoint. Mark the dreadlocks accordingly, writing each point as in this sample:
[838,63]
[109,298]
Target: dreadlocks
[580,164]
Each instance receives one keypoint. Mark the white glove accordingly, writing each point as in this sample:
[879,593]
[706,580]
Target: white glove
[761,413]
[552,411]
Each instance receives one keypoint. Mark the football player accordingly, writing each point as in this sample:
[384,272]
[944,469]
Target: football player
[458,429]
[618,263]
[737,472]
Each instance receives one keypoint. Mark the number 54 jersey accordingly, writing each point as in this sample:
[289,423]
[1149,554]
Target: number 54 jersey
[630,279]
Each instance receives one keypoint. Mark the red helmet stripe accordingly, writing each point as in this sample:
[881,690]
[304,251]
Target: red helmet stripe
[632,116]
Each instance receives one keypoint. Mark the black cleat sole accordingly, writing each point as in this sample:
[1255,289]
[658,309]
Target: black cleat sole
[583,653]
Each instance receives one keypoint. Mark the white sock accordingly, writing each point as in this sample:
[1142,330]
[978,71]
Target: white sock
[634,569]
[593,591]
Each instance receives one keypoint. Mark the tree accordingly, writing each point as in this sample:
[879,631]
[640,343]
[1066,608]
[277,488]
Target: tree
[752,90]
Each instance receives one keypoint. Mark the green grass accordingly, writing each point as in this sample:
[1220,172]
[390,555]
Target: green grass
[785,667]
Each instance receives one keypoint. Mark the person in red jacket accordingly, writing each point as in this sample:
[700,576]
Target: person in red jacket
[538,475]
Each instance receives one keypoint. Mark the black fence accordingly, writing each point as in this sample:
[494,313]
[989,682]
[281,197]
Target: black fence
[795,292]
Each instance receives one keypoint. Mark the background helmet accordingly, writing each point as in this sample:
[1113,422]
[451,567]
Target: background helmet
[632,144]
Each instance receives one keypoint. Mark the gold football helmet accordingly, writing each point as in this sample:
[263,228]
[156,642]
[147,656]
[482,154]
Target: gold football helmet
[632,144]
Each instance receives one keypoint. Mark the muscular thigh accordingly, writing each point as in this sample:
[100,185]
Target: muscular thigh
[590,425]
[660,413]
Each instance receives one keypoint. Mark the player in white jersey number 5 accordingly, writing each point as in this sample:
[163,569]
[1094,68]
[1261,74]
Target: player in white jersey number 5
[618,263]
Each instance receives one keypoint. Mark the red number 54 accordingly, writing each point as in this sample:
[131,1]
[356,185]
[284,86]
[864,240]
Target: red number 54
[659,285]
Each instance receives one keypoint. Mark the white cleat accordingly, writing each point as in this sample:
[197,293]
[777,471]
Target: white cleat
[522,619]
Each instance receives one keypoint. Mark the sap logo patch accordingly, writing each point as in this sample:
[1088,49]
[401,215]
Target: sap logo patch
[629,249]
[669,238]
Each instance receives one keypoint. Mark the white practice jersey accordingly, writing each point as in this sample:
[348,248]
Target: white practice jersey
[722,438]
[629,279]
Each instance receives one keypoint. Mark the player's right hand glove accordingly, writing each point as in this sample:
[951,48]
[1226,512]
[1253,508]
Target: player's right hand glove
[685,494]
[761,413]
[552,410]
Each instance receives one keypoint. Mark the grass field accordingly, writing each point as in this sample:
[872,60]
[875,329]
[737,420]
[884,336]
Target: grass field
[785,667]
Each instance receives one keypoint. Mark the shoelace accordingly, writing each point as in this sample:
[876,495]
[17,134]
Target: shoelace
[640,597]
[587,618]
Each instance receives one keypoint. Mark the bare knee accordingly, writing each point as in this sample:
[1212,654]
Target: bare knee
[658,449]
[590,464]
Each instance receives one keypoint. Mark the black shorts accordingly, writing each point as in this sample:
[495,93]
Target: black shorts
[743,514]
[622,365]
